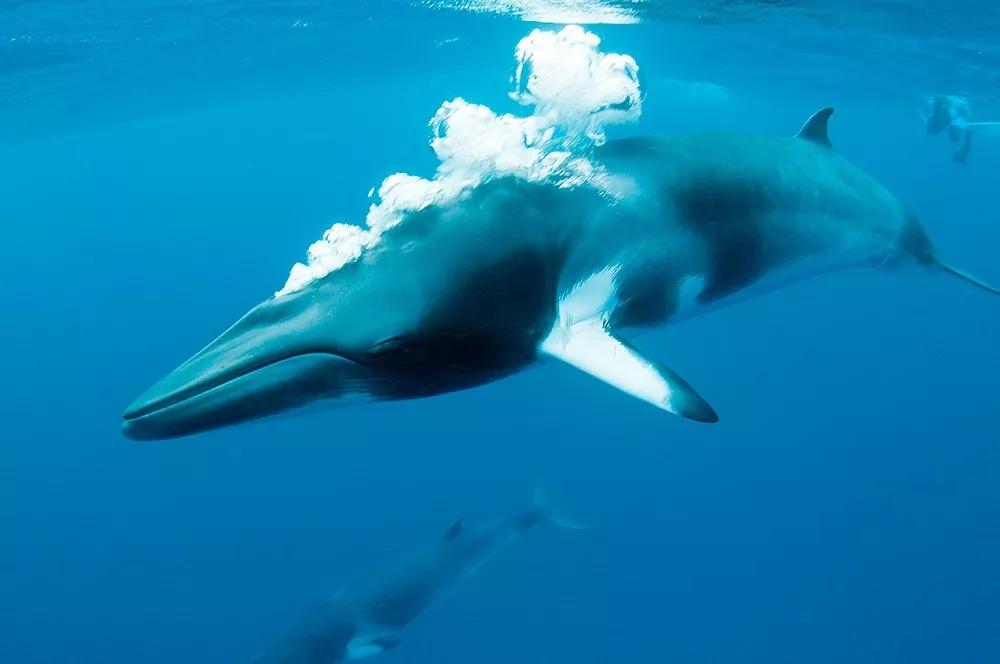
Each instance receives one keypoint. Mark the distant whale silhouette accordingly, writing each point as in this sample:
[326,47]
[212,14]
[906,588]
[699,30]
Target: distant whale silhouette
[368,617]
[462,294]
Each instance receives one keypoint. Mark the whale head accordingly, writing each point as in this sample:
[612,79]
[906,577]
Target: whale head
[432,309]
[283,353]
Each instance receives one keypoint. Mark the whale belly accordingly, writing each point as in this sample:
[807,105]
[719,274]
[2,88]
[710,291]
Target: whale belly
[692,299]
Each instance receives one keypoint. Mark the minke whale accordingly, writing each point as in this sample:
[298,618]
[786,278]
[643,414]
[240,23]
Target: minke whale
[367,618]
[513,272]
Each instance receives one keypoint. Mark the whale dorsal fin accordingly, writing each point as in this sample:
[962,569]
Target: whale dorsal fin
[588,346]
[359,648]
[455,530]
[816,128]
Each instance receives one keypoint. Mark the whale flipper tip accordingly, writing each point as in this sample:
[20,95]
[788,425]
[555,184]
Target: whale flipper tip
[590,347]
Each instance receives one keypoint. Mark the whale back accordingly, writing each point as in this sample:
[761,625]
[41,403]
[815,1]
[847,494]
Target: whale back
[740,212]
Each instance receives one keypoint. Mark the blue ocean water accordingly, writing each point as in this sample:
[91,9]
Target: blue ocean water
[163,164]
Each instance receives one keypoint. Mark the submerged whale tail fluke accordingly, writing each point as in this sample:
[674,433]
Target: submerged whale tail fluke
[550,514]
[965,276]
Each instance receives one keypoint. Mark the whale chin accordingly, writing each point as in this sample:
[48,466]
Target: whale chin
[165,411]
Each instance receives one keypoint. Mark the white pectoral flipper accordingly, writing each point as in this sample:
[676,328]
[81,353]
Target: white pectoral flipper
[588,346]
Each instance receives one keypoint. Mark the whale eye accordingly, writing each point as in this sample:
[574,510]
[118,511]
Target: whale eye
[399,351]
[390,345]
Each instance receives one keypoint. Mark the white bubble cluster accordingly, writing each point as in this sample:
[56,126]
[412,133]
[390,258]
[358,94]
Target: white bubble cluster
[574,89]
[573,86]
[340,245]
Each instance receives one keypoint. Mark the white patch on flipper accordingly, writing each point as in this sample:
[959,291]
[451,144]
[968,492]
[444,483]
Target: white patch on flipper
[580,338]
[594,297]
[588,346]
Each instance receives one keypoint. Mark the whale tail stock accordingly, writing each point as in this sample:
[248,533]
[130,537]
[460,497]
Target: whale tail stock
[549,514]
[966,277]
[913,239]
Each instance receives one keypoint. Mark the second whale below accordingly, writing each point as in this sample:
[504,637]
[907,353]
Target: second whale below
[369,616]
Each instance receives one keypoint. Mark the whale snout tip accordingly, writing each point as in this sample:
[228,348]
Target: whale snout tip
[140,421]
[136,424]
[133,430]
[134,410]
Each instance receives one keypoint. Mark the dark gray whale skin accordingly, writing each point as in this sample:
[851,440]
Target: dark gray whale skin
[462,294]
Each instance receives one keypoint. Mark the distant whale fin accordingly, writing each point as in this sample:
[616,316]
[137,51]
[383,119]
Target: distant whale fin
[588,346]
[965,276]
[455,530]
[360,648]
[386,642]
[543,506]
[816,128]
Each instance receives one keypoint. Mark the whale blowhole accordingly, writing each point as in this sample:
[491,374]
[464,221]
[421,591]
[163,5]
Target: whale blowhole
[574,90]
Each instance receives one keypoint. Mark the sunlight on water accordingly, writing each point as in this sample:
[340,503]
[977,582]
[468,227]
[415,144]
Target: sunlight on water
[584,12]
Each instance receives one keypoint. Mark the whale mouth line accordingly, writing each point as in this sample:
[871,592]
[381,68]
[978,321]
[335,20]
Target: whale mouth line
[201,388]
